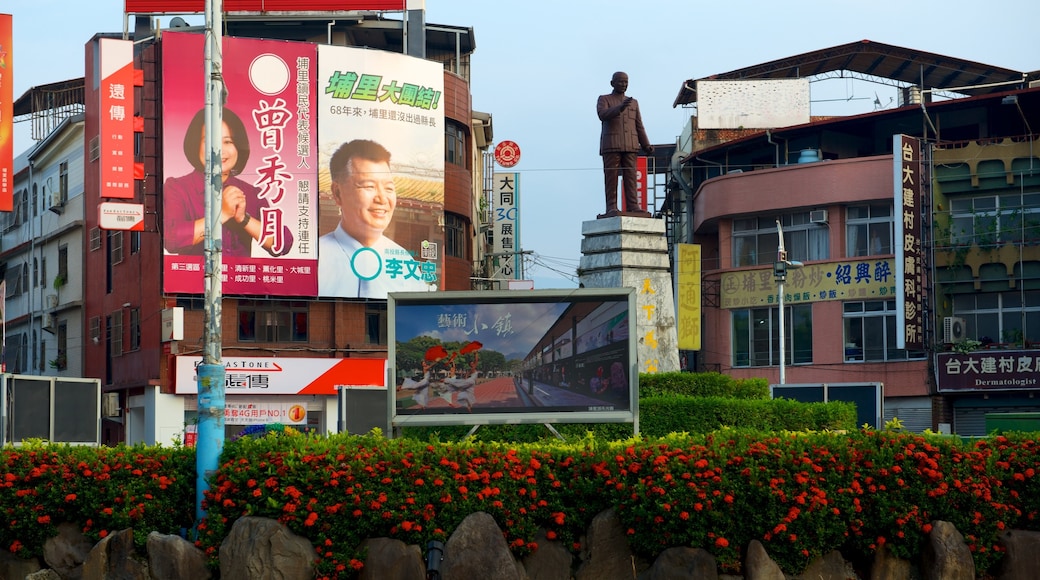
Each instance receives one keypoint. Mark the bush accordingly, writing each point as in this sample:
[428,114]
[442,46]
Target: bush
[702,385]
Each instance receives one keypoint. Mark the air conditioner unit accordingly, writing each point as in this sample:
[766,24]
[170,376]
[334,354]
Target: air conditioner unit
[110,405]
[52,301]
[818,216]
[56,204]
[953,330]
[49,322]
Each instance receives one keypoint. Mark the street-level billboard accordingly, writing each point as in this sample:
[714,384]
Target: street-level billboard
[381,173]
[268,166]
[497,357]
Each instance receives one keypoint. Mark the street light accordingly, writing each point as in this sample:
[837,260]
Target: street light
[780,267]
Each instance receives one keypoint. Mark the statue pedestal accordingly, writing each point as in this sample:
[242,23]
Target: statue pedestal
[631,252]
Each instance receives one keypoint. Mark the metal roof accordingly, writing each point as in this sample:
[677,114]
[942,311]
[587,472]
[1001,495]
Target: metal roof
[901,66]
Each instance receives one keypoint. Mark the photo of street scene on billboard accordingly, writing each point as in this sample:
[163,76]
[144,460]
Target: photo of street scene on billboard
[538,356]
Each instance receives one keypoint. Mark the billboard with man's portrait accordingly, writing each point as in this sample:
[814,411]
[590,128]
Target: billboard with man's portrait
[268,166]
[381,173]
[538,356]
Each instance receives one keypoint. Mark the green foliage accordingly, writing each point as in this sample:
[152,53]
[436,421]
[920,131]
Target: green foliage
[702,385]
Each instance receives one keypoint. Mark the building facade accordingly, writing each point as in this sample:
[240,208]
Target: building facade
[870,267]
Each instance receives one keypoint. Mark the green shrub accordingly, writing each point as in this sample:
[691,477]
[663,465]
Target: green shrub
[701,385]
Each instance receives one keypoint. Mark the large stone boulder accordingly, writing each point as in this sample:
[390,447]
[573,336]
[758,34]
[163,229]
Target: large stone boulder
[263,549]
[114,557]
[171,557]
[831,566]
[12,566]
[946,556]
[759,565]
[389,559]
[551,561]
[1022,558]
[606,554]
[477,549]
[682,563]
[66,552]
[889,567]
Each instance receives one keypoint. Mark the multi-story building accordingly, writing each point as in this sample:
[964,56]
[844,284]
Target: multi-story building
[136,318]
[40,248]
[892,283]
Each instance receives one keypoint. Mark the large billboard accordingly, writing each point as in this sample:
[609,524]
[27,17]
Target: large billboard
[381,173]
[268,167]
[6,115]
[540,356]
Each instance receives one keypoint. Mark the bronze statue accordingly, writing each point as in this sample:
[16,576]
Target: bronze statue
[620,141]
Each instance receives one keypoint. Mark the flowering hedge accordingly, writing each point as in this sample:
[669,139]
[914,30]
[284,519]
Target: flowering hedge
[800,494]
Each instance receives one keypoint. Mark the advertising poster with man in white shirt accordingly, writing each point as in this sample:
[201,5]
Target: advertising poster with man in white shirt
[380,173]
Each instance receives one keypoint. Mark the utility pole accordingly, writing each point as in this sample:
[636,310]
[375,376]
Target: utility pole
[210,440]
[780,274]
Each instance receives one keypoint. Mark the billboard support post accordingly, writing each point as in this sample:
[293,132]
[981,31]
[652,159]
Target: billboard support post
[211,372]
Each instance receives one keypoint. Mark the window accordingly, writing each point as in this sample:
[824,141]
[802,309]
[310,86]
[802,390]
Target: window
[755,241]
[36,272]
[870,332]
[63,262]
[191,302]
[995,219]
[454,236]
[95,239]
[868,230]
[41,352]
[61,361]
[63,182]
[115,332]
[135,242]
[272,321]
[375,323]
[1006,317]
[135,329]
[455,144]
[36,200]
[756,334]
[43,271]
[115,247]
[95,329]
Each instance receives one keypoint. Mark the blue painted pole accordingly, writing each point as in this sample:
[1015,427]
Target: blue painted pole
[210,441]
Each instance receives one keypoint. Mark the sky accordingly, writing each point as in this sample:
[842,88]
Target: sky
[539,67]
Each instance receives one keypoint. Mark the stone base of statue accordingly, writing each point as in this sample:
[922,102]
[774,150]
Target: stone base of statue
[631,252]
[619,213]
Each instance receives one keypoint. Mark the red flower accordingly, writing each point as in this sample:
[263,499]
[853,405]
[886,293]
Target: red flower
[721,542]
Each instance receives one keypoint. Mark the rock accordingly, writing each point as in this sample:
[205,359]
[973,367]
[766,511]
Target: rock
[832,566]
[1022,559]
[681,563]
[551,561]
[113,557]
[477,549]
[171,557]
[605,554]
[946,555]
[759,565]
[67,551]
[47,574]
[263,549]
[390,559]
[12,566]
[888,567]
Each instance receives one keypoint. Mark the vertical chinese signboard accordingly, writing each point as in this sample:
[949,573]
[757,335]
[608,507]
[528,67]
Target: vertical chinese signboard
[688,296]
[906,154]
[269,195]
[116,117]
[506,227]
[6,116]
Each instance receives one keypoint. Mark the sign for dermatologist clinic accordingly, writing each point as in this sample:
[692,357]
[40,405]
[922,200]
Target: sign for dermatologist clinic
[268,196]
[379,236]
[284,376]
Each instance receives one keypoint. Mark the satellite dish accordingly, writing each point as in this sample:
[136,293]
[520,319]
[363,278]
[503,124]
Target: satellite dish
[178,22]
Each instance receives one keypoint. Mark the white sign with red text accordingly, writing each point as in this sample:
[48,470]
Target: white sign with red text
[254,375]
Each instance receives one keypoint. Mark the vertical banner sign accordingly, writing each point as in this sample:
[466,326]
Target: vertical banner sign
[906,153]
[641,181]
[116,117]
[6,115]
[506,228]
[380,172]
[688,295]
[268,167]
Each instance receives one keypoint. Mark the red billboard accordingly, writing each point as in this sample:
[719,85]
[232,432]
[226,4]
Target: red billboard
[116,117]
[538,356]
[231,6]
[6,115]
[268,167]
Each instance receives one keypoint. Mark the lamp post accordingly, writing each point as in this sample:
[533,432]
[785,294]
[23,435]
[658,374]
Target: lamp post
[780,267]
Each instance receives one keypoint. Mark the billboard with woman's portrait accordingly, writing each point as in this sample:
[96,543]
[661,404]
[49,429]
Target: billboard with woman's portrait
[268,166]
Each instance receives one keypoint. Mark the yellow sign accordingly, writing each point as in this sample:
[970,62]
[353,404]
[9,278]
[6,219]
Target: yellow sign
[847,280]
[688,296]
